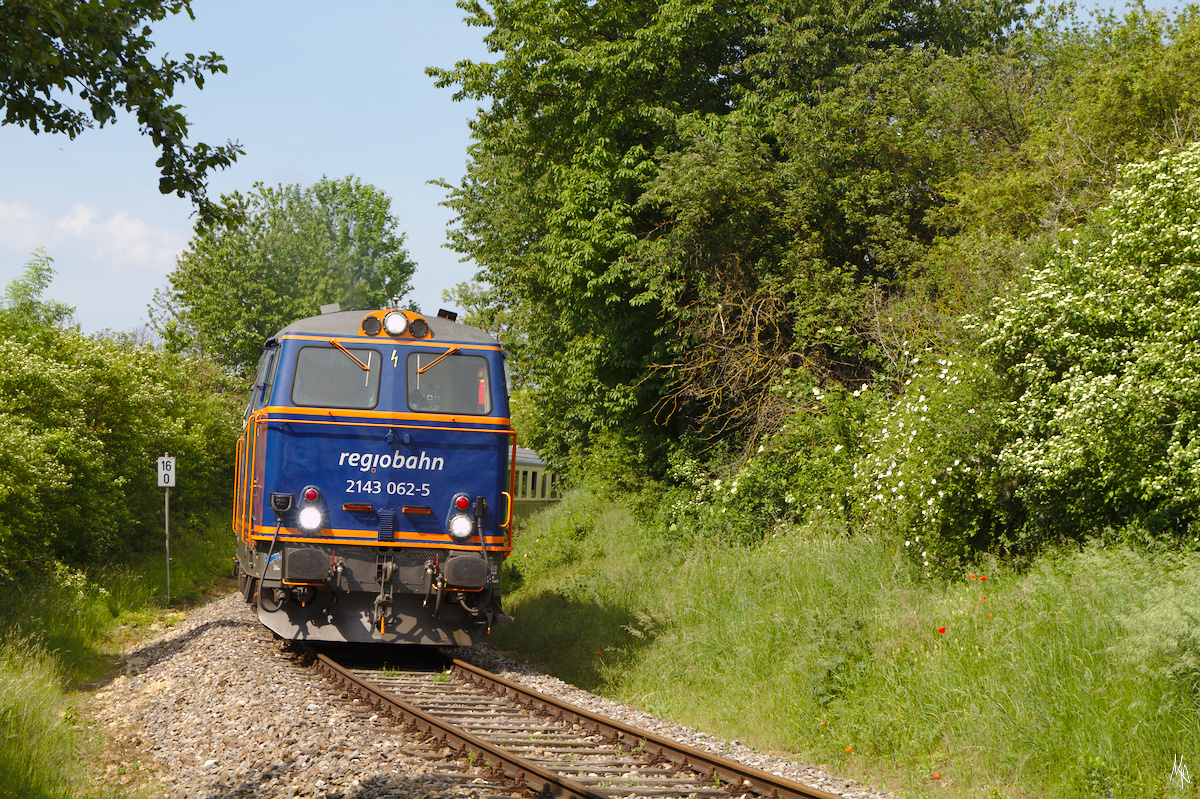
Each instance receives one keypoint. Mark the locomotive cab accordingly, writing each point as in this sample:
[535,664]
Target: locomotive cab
[373,499]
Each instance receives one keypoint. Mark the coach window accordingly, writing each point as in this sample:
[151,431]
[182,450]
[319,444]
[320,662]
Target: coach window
[444,383]
[330,377]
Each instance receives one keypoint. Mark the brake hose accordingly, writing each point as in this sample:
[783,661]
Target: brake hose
[267,565]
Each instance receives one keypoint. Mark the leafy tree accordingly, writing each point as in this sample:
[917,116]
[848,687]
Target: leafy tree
[1059,112]
[99,50]
[23,301]
[583,95]
[476,308]
[785,215]
[678,200]
[293,251]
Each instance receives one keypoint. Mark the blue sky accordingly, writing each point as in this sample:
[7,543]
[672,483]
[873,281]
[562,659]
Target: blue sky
[313,89]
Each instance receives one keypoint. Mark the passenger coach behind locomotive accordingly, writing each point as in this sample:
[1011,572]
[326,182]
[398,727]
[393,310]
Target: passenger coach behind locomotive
[374,482]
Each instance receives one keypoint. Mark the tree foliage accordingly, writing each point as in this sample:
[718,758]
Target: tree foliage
[293,251]
[680,200]
[82,420]
[676,202]
[761,266]
[1059,112]
[582,97]
[23,296]
[99,52]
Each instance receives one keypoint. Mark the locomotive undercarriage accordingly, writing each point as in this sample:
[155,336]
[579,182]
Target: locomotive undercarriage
[410,595]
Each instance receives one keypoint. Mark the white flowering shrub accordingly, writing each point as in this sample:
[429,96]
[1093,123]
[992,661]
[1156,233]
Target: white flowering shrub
[802,471]
[1104,352]
[928,469]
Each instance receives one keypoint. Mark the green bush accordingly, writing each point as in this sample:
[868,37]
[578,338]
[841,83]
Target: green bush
[803,468]
[1104,430]
[928,470]
[1078,418]
[83,419]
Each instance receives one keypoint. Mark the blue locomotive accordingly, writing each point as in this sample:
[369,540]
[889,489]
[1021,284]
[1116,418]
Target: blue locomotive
[373,499]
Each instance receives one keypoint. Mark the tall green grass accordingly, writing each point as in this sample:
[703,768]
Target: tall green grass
[1077,677]
[70,616]
[36,745]
[201,554]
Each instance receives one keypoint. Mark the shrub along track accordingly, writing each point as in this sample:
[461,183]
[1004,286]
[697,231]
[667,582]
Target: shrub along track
[546,746]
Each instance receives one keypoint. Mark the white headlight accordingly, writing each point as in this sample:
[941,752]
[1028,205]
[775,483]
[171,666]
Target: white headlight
[395,323]
[461,527]
[310,519]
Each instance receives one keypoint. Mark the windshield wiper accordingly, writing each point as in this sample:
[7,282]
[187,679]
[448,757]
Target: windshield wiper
[423,369]
[350,355]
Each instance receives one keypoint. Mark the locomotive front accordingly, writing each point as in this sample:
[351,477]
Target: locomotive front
[374,482]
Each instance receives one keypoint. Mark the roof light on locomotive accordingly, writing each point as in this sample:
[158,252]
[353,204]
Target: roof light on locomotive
[395,323]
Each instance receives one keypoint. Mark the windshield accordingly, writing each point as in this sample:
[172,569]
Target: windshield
[448,383]
[330,377]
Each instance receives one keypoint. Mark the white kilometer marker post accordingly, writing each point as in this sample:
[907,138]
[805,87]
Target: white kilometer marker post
[166,479]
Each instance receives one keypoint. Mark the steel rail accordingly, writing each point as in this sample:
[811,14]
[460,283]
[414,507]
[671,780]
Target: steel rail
[732,773]
[527,774]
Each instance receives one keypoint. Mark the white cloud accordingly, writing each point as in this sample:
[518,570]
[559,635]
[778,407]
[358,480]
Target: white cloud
[117,244]
[17,223]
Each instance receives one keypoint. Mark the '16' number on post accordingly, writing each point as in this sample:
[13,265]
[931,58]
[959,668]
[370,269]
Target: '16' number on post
[166,472]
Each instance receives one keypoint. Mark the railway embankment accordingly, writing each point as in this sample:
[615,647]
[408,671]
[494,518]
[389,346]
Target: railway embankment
[217,707]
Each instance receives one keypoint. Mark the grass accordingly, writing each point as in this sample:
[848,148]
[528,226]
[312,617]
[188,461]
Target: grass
[1077,677]
[64,630]
[201,554]
[38,743]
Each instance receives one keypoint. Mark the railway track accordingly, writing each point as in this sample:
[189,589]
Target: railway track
[548,747]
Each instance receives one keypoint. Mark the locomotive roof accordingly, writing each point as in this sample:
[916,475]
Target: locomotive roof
[347,323]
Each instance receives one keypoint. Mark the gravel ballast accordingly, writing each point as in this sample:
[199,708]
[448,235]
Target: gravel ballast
[221,710]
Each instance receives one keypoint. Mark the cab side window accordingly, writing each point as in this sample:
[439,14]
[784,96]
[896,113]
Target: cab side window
[264,380]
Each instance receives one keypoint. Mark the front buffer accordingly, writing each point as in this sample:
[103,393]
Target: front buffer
[410,597]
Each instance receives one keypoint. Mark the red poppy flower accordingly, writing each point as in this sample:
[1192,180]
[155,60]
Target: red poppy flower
[941,629]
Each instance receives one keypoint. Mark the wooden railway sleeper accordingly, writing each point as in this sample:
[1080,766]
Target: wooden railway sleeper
[722,778]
